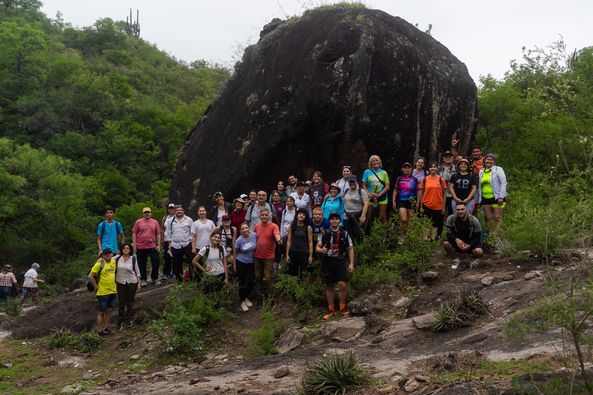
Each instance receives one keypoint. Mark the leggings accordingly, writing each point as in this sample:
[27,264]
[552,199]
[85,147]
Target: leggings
[298,263]
[126,293]
[436,217]
[246,274]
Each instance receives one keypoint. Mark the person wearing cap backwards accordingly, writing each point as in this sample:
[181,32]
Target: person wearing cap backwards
[109,231]
[166,237]
[356,205]
[104,271]
[404,197]
[30,284]
[333,245]
[333,203]
[219,209]
[301,199]
[447,170]
[8,284]
[146,236]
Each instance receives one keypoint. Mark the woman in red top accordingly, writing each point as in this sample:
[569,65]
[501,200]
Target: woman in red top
[432,197]
[238,214]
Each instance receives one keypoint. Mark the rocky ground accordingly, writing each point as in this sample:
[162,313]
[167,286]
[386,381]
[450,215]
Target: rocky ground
[396,344]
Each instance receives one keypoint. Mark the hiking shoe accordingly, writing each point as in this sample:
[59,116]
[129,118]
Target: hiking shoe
[130,324]
[456,263]
[143,283]
[332,313]
[401,240]
[474,263]
[157,282]
[248,303]
[164,277]
[344,313]
[244,306]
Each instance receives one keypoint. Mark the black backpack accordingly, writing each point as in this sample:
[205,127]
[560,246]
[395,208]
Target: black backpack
[207,253]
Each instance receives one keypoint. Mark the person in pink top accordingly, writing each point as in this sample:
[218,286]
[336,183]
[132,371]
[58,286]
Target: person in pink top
[268,235]
[146,236]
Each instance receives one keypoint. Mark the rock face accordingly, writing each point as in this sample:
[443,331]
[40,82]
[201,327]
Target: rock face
[326,89]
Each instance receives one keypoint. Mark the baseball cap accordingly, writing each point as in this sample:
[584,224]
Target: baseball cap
[447,153]
[407,164]
[171,205]
[244,196]
[226,218]
[334,214]
[352,178]
[216,194]
[146,209]
[300,184]
[107,251]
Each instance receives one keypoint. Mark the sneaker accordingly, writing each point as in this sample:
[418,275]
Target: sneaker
[401,240]
[157,282]
[130,324]
[474,263]
[248,303]
[344,313]
[244,306]
[143,283]
[164,277]
[332,313]
[456,263]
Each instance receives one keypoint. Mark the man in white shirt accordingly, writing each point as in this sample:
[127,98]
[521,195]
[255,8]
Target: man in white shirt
[30,284]
[166,237]
[180,235]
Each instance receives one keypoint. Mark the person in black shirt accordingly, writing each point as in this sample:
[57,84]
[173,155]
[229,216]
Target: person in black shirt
[464,236]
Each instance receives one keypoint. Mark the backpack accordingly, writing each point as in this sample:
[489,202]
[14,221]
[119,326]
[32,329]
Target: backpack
[268,206]
[117,227]
[326,239]
[207,253]
[89,286]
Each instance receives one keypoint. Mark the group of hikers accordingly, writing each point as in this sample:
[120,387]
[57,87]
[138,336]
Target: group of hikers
[299,223]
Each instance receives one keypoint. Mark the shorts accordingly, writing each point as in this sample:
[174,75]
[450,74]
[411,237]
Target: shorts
[333,270]
[407,204]
[106,301]
[492,203]
[382,201]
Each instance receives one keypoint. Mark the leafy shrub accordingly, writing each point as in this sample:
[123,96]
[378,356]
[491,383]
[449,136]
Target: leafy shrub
[334,374]
[85,342]
[262,340]
[88,342]
[188,312]
[460,311]
[307,292]
[12,307]
[61,338]
[380,241]
[365,278]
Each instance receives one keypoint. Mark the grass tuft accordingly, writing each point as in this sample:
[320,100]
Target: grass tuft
[334,374]
[460,312]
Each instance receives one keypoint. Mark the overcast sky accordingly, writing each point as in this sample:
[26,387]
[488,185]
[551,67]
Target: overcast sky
[485,35]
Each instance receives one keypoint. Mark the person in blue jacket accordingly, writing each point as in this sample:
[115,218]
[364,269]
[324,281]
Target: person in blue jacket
[333,203]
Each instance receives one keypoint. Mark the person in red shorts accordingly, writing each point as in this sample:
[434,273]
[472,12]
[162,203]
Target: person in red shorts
[268,235]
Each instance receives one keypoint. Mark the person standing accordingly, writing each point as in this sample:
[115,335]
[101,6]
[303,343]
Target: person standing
[239,213]
[8,284]
[334,202]
[318,224]
[375,181]
[404,197]
[146,236]
[463,186]
[334,244]
[447,170]
[253,216]
[30,286]
[102,279]
[278,207]
[127,281]
[110,233]
[356,205]
[299,244]
[228,235]
[220,209]
[318,189]
[166,237]
[492,192]
[180,233]
[301,199]
[343,182]
[281,189]
[213,263]
[201,231]
[245,246]
[419,169]
[268,235]
[291,186]
[432,198]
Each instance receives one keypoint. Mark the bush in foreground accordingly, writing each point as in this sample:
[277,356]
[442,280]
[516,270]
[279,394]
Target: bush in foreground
[334,374]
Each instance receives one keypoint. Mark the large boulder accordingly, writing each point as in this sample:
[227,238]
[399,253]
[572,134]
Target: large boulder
[329,88]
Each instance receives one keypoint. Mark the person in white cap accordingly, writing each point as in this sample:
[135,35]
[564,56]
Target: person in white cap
[30,284]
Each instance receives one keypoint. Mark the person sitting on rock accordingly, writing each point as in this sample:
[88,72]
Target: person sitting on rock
[333,245]
[464,235]
[102,279]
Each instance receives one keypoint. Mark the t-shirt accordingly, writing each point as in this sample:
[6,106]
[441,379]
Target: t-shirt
[300,239]
[486,184]
[434,192]
[337,243]
[29,276]
[106,284]
[226,238]
[318,229]
[406,187]
[419,174]
[253,214]
[202,232]
[220,213]
[354,200]
[214,264]
[477,165]
[463,229]
[462,184]
[108,233]
[317,194]
[266,240]
[278,208]
[447,173]
[238,217]
[246,247]
[373,182]
[147,232]
[287,218]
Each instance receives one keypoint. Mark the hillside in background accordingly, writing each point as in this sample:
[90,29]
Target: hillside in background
[89,117]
